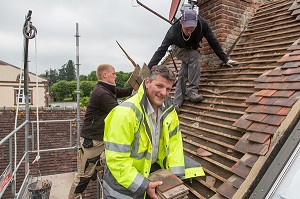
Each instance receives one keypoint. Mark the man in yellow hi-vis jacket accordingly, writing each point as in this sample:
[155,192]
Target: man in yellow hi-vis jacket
[141,132]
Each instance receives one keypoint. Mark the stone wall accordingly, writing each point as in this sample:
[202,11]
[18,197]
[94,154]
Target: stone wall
[52,135]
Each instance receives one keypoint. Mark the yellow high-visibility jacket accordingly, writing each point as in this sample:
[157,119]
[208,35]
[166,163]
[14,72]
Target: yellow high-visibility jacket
[128,148]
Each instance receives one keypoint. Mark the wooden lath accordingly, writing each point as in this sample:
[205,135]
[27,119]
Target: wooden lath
[209,131]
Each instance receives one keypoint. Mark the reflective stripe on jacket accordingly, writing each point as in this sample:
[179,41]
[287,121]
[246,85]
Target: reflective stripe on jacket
[128,144]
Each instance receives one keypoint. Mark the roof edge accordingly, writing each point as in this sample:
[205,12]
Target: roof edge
[263,162]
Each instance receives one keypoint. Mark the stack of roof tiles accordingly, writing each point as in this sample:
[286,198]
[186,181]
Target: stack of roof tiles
[171,188]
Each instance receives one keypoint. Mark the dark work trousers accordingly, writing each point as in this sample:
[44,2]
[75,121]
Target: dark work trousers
[88,163]
[189,72]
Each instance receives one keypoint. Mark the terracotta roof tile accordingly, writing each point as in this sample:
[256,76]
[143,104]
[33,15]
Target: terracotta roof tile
[296,52]
[260,149]
[249,159]
[296,95]
[217,196]
[294,6]
[292,71]
[284,58]
[284,93]
[253,99]
[279,86]
[258,127]
[242,145]
[278,79]
[296,12]
[270,109]
[256,117]
[270,129]
[236,181]
[293,78]
[242,123]
[273,119]
[267,93]
[268,101]
[258,137]
[285,102]
[290,65]
[294,86]
[262,86]
[263,78]
[241,169]
[275,72]
[284,111]
[254,108]
[227,190]
[295,45]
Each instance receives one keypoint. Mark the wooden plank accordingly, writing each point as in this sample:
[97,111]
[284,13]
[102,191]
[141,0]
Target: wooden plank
[207,171]
[197,113]
[210,123]
[241,68]
[212,150]
[269,39]
[210,160]
[197,194]
[254,51]
[208,185]
[231,74]
[243,105]
[260,56]
[286,42]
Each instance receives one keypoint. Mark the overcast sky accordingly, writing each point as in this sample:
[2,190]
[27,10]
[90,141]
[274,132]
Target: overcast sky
[101,23]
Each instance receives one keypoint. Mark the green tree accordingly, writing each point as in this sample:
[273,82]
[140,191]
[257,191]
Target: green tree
[51,76]
[70,70]
[122,78]
[67,71]
[82,78]
[92,76]
[60,90]
[72,90]
[86,87]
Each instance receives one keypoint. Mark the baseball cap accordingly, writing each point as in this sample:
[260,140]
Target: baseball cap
[189,18]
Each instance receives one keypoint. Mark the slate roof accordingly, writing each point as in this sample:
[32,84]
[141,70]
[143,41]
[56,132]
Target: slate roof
[247,106]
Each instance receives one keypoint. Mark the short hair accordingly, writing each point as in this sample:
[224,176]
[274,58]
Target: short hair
[162,70]
[101,68]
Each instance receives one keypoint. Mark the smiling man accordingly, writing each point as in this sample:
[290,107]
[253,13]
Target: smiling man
[185,36]
[140,134]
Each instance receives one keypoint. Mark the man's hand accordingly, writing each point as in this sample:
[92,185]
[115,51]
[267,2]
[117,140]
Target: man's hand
[231,63]
[151,189]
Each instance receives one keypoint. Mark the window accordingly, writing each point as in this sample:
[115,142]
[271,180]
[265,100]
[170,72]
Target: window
[19,95]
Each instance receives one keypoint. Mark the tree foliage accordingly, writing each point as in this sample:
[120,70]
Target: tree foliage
[122,78]
[51,76]
[62,82]
[60,90]
[67,72]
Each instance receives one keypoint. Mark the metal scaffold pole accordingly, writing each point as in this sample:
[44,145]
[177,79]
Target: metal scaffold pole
[78,85]
[29,32]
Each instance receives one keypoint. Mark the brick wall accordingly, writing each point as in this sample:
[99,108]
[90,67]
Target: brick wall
[52,135]
[227,19]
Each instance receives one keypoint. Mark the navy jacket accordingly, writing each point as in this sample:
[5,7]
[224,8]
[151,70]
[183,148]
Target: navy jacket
[102,100]
[174,37]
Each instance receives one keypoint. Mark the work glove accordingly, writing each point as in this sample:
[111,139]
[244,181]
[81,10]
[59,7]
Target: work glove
[231,63]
